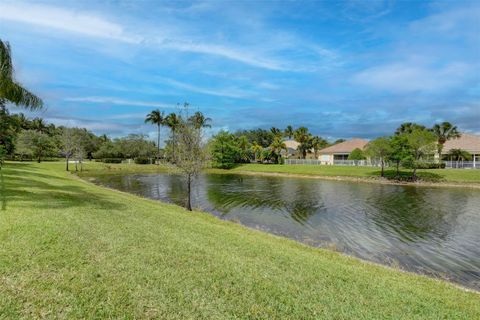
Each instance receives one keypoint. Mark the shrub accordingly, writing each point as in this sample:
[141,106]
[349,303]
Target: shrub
[431,165]
[142,160]
[112,160]
[356,154]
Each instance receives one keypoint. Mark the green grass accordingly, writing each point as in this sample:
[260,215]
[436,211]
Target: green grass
[70,249]
[431,175]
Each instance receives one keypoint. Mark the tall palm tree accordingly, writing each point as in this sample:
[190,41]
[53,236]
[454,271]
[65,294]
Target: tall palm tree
[276,148]
[318,144]
[10,90]
[256,150]
[444,132]
[200,121]
[289,132]
[157,118]
[173,122]
[303,137]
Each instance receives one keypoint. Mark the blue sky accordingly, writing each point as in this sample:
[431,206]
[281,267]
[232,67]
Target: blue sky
[343,69]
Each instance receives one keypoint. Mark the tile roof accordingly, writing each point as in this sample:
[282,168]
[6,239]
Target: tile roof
[467,142]
[346,146]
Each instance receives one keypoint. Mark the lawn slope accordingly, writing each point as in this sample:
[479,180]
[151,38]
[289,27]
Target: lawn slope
[70,249]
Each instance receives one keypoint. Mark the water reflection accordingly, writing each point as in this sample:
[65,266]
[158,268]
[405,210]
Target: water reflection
[427,230]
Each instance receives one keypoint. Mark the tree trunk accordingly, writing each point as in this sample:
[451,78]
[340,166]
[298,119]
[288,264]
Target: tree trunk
[158,146]
[67,163]
[414,175]
[39,159]
[189,190]
[398,169]
[383,172]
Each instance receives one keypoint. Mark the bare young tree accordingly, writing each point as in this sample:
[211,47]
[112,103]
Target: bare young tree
[190,153]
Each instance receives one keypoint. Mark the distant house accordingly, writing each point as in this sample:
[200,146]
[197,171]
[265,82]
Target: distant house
[340,151]
[467,142]
[292,147]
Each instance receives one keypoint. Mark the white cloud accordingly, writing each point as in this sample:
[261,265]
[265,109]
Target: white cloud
[86,24]
[90,24]
[411,77]
[110,100]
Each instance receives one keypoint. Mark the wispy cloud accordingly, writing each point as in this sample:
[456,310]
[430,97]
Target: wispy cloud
[121,102]
[86,24]
[224,92]
[410,77]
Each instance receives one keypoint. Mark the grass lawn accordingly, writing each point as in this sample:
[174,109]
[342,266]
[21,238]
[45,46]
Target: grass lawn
[70,249]
[433,175]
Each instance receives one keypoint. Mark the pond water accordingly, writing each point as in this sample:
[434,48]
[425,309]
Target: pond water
[433,231]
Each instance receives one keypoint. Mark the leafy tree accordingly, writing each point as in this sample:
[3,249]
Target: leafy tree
[381,149]
[10,90]
[289,132]
[260,136]
[276,148]
[304,138]
[190,154]
[37,144]
[356,154]
[401,151]
[422,143]
[408,127]
[39,125]
[443,132]
[157,118]
[339,141]
[225,150]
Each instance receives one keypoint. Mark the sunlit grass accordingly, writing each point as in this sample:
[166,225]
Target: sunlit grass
[70,249]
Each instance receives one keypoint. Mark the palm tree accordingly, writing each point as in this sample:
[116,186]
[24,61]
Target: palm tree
[318,144]
[157,118]
[39,125]
[10,90]
[256,150]
[276,148]
[289,132]
[444,132]
[244,145]
[173,122]
[408,127]
[200,121]
[303,137]
[276,132]
[459,155]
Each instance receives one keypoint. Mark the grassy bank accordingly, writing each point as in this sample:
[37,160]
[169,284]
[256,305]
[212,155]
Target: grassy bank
[430,175]
[455,176]
[70,249]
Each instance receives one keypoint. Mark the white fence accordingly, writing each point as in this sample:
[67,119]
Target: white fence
[372,163]
[359,163]
[462,164]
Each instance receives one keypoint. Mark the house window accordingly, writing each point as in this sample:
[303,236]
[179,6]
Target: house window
[340,157]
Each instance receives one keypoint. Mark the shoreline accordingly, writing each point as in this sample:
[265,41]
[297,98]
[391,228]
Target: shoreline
[350,179]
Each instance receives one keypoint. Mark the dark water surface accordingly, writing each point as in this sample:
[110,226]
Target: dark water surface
[434,231]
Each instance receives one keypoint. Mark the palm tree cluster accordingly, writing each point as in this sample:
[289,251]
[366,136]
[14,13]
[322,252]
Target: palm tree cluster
[173,121]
